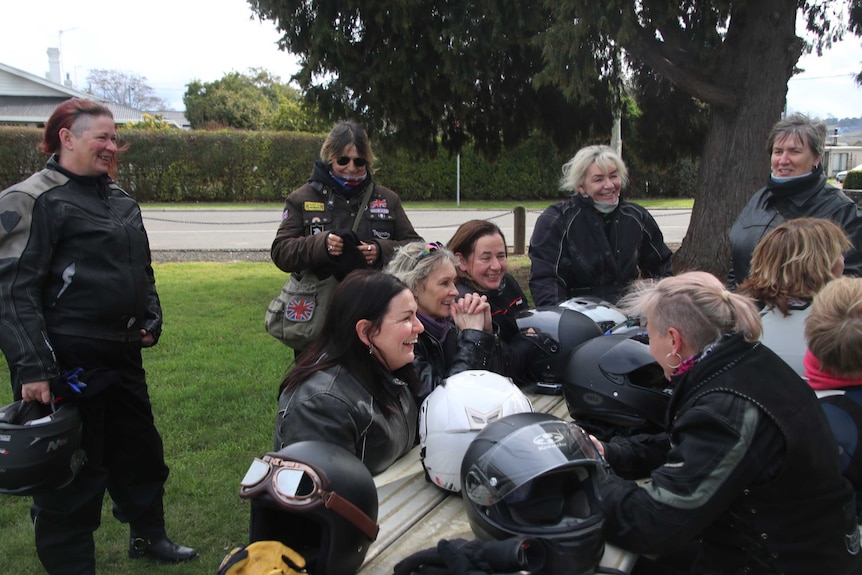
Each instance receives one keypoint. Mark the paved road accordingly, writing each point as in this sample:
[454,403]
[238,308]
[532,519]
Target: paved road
[172,229]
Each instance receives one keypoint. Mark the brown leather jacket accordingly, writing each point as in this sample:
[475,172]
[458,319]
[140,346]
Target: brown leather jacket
[319,207]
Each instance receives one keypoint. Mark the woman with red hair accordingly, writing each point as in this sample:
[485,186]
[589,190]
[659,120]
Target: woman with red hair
[79,303]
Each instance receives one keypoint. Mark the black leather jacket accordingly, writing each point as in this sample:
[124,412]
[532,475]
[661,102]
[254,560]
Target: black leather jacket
[750,470]
[776,203]
[74,260]
[333,406]
[574,252]
[516,350]
[434,361]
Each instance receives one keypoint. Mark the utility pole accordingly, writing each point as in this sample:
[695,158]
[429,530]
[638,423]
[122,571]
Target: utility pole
[616,130]
[60,46]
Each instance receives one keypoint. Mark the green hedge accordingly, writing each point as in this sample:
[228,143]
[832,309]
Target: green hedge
[232,166]
[853,181]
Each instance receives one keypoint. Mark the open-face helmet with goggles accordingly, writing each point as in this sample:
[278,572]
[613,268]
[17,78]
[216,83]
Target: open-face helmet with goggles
[535,475]
[40,448]
[318,499]
[454,413]
[614,386]
[556,331]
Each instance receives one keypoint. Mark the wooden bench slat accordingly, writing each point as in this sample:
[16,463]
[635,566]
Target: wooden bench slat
[414,514]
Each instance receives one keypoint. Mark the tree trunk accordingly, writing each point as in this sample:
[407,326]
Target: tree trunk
[758,56]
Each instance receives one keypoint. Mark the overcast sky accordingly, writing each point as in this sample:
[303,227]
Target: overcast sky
[172,42]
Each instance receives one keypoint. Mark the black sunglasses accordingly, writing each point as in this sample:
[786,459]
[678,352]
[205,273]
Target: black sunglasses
[358,162]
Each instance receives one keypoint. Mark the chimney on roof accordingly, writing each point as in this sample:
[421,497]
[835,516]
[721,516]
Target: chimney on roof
[54,65]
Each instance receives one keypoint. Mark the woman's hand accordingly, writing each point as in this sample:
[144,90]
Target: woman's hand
[600,447]
[147,339]
[370,252]
[334,245]
[472,312]
[36,391]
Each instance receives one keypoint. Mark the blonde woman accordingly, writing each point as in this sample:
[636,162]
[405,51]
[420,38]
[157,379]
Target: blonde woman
[747,472]
[594,243]
[459,334]
[789,266]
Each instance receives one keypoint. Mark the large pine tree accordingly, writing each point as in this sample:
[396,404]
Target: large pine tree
[492,71]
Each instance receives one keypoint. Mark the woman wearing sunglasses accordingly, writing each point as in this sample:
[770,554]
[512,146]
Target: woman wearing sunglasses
[459,334]
[325,228]
[354,384]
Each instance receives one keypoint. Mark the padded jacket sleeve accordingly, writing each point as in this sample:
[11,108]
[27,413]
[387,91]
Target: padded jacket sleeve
[719,447]
[546,246]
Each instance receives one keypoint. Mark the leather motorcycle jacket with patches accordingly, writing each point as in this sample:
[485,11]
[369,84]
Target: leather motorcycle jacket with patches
[320,206]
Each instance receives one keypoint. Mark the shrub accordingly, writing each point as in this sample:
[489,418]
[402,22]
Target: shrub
[853,181]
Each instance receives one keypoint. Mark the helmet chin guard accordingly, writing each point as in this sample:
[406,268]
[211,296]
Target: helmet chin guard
[615,387]
[40,448]
[556,331]
[454,413]
[535,475]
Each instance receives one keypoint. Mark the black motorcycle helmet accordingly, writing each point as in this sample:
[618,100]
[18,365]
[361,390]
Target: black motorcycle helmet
[558,331]
[534,475]
[40,448]
[614,386]
[318,499]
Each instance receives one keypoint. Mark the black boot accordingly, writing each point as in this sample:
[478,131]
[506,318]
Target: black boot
[161,549]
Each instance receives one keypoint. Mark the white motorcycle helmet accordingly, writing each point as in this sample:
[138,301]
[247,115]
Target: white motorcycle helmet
[606,316]
[455,412]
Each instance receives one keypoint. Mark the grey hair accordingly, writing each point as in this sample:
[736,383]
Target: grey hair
[803,129]
[695,303]
[413,263]
[575,170]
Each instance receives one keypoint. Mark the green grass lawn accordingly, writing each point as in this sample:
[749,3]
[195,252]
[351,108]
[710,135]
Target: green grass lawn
[213,380]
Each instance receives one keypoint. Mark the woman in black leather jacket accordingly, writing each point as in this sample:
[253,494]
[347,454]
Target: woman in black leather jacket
[480,247]
[796,188]
[595,243]
[352,387]
[748,469]
[459,334]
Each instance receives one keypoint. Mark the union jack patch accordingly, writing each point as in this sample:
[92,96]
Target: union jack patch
[377,203]
[300,309]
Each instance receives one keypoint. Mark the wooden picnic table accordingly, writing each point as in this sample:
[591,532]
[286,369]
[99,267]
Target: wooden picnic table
[414,514]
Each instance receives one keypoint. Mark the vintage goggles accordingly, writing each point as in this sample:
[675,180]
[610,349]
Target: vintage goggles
[297,486]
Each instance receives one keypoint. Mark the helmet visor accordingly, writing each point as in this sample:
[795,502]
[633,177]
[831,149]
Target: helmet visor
[524,455]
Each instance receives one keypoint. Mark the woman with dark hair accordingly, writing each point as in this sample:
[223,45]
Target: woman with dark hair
[480,248]
[324,227]
[79,297]
[354,384]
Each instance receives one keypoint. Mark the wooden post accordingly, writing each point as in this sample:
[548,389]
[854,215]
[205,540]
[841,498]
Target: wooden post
[520,230]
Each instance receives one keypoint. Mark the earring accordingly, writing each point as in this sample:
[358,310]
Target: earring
[370,349]
[671,354]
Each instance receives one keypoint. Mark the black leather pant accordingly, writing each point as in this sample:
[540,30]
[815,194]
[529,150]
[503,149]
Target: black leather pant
[124,455]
